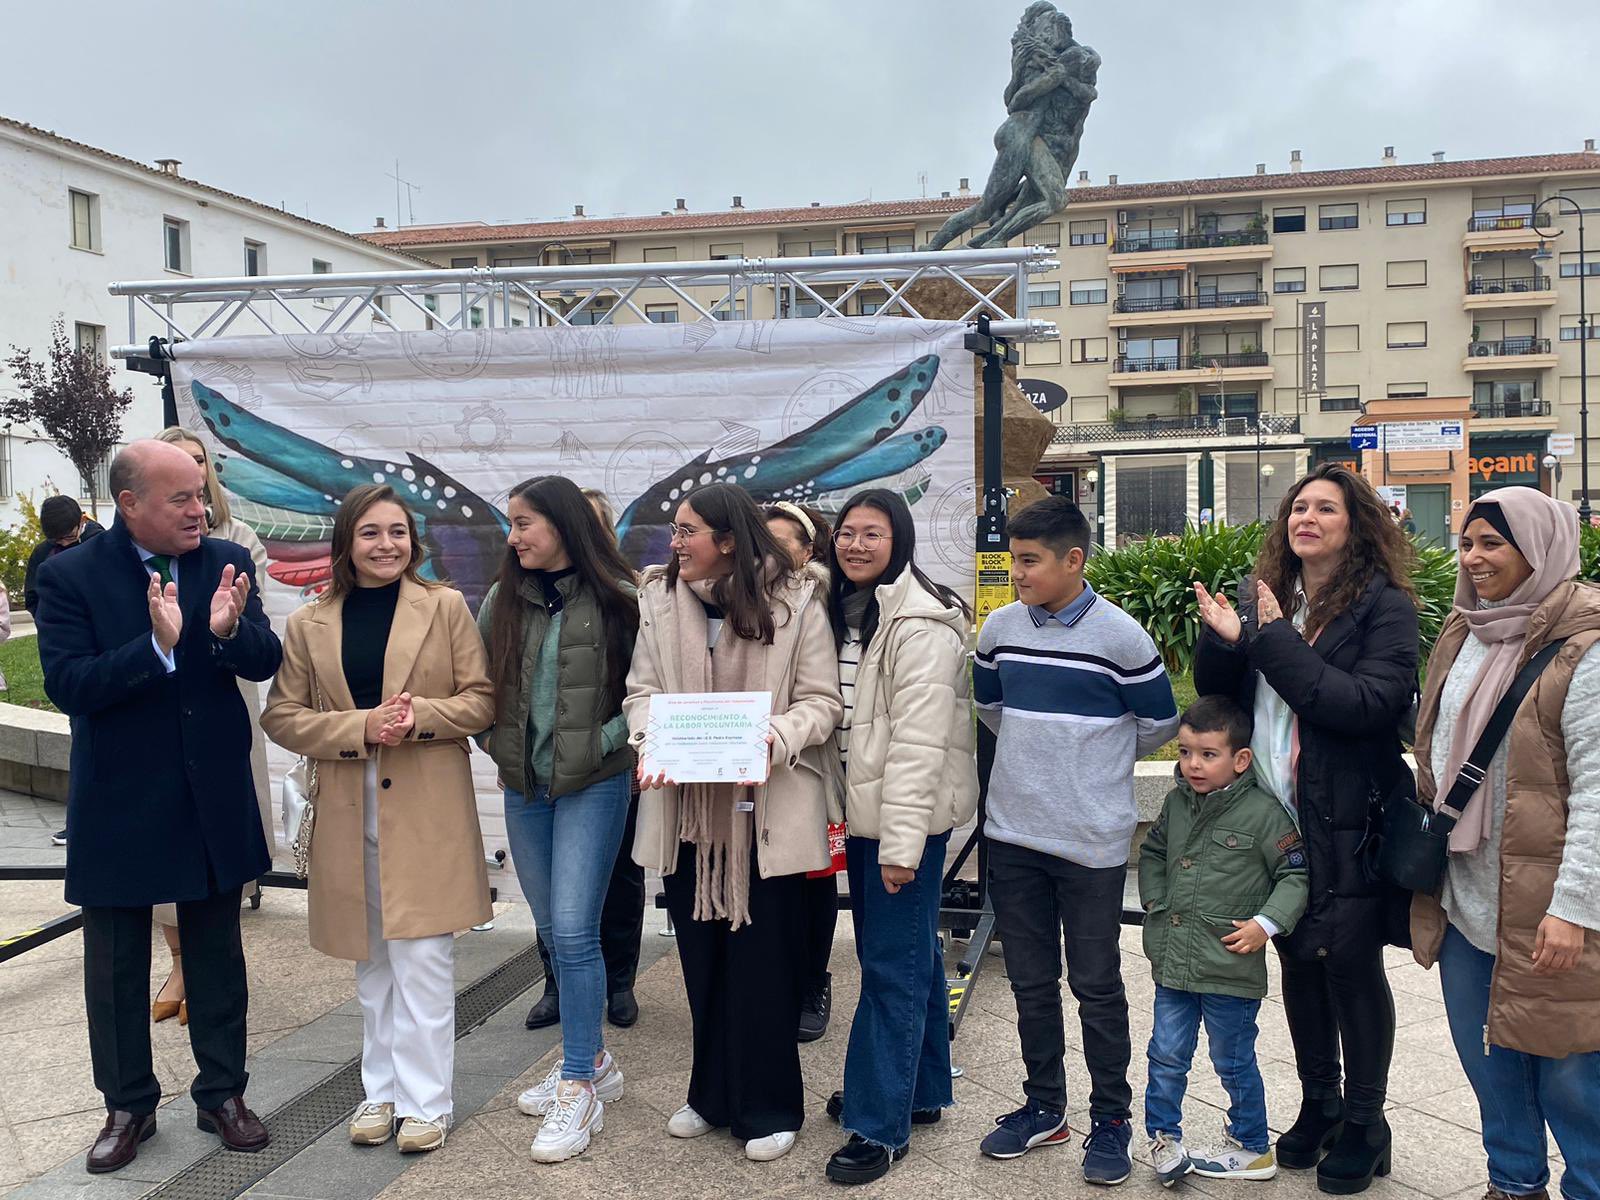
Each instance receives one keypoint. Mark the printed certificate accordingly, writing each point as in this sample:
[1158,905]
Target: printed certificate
[708,737]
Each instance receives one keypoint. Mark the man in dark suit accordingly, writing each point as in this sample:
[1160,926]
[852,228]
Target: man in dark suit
[143,634]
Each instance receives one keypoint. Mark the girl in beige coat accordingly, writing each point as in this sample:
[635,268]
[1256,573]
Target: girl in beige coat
[908,775]
[729,614]
[383,682]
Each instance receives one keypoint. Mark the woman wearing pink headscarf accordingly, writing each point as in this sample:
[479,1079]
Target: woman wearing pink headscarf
[1513,929]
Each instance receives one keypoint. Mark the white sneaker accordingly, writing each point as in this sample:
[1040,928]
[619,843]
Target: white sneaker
[417,1136]
[1169,1158]
[574,1117]
[1233,1161]
[372,1124]
[765,1149]
[536,1101]
[686,1123]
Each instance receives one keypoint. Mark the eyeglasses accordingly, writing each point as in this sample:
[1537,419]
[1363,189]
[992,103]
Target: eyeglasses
[870,540]
[678,532]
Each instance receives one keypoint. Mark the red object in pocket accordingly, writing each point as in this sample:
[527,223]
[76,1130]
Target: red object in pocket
[836,836]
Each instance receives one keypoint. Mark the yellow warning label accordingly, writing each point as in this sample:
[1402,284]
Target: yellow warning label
[958,988]
[994,583]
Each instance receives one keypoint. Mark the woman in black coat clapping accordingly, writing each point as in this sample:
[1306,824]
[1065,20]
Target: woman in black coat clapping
[1323,650]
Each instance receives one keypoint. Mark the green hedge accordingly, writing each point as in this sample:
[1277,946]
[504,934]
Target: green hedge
[1153,581]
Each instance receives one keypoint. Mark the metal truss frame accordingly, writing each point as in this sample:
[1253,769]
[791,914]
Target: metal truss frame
[576,295]
[593,294]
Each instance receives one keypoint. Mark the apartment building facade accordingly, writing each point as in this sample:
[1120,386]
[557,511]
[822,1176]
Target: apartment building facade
[79,218]
[1177,385]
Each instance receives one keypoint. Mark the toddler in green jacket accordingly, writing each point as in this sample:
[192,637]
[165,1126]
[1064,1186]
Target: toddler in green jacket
[1222,870]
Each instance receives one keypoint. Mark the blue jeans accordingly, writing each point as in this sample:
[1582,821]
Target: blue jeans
[563,852]
[1519,1094]
[899,1056]
[1231,1032]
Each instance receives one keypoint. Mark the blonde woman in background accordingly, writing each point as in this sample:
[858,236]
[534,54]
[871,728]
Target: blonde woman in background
[221,523]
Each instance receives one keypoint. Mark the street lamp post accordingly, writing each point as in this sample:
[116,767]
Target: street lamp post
[1543,255]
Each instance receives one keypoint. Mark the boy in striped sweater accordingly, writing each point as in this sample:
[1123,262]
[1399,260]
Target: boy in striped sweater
[1076,693]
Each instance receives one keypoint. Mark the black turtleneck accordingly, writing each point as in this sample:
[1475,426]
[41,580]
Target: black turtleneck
[367,616]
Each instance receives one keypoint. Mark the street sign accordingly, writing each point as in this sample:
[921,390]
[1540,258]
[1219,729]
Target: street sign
[1043,394]
[1313,331]
[1363,437]
[1403,436]
[1562,445]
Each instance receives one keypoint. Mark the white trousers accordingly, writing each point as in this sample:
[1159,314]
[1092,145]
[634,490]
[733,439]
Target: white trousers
[408,1001]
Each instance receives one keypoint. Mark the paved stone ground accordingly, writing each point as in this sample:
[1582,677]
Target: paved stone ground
[303,1024]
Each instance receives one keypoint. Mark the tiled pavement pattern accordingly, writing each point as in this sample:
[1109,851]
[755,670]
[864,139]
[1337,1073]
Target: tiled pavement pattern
[303,1023]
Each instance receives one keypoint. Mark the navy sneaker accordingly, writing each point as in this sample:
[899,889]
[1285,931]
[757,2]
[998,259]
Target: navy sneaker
[1105,1153]
[1031,1125]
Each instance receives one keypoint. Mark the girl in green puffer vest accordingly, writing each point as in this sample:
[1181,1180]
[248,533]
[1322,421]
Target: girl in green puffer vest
[559,625]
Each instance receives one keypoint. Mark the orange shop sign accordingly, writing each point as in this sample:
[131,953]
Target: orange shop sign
[1497,466]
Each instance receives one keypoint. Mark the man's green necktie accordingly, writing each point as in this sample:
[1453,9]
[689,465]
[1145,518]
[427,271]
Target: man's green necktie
[162,565]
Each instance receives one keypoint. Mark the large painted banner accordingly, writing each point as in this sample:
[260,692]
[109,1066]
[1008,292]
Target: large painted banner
[807,410]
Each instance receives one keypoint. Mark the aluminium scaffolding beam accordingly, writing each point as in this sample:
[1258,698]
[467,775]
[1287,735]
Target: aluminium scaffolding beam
[590,294]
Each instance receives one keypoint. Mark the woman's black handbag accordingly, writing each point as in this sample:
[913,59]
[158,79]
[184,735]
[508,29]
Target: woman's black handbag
[1415,844]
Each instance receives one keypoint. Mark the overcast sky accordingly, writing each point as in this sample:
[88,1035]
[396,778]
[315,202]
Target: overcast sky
[502,110]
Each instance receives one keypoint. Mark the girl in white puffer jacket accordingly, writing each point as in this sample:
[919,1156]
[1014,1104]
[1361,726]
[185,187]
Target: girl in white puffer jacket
[907,778]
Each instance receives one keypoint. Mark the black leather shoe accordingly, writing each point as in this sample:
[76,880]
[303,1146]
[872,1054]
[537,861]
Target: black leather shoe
[119,1141]
[546,1012]
[1313,1133]
[238,1127]
[622,1010]
[860,1161]
[919,1116]
[1361,1152]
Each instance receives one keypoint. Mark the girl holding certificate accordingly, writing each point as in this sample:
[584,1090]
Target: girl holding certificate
[909,777]
[559,625]
[729,613]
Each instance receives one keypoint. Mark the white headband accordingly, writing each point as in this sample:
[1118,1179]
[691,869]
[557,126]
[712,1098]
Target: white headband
[798,513]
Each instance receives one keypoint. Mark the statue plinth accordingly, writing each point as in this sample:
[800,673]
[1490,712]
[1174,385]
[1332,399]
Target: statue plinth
[1027,432]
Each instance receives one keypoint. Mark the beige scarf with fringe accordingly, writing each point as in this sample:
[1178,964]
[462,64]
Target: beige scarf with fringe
[708,814]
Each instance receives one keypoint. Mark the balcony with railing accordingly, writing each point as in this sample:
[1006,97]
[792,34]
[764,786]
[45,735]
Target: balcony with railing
[1508,287]
[1130,365]
[1177,427]
[1200,308]
[1204,245]
[1512,291]
[1203,300]
[1515,353]
[1505,231]
[1495,222]
[1505,409]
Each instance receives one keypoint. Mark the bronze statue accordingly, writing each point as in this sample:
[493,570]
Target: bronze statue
[1047,101]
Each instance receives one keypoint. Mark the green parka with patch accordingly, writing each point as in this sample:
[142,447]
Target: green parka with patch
[1230,855]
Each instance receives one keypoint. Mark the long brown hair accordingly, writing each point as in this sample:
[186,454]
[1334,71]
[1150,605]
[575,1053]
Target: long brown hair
[352,508]
[746,596]
[600,568]
[1375,544]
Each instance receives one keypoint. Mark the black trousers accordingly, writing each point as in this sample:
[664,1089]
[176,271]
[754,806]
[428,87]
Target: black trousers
[821,919]
[1041,903]
[116,988]
[744,1000]
[1342,1002]
[621,916]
